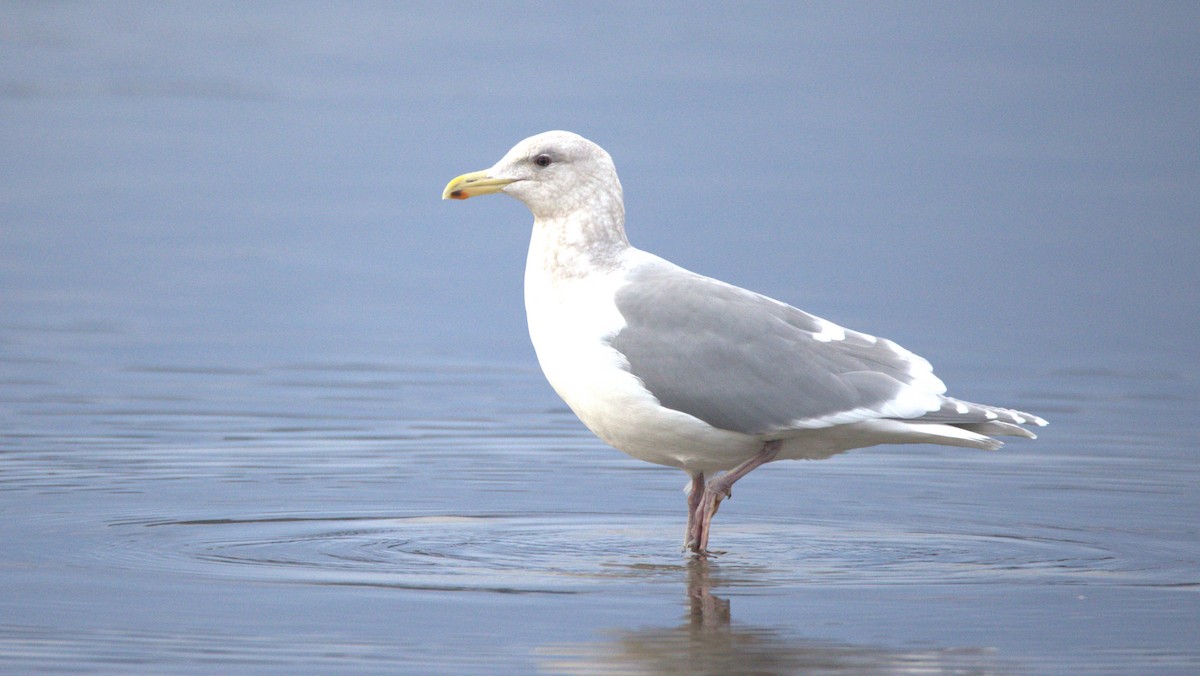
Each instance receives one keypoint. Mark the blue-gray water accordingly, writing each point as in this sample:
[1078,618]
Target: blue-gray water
[267,404]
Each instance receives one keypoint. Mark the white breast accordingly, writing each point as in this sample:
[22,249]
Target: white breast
[571,318]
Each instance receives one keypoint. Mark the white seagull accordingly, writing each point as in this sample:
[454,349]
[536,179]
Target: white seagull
[682,370]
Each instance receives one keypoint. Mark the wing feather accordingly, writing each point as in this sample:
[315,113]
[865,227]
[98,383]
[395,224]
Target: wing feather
[744,362]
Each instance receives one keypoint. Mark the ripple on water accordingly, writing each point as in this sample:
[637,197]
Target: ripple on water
[569,553]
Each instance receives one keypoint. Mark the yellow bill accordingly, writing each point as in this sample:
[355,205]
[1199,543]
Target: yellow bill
[473,184]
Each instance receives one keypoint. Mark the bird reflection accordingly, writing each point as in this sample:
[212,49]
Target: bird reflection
[707,612]
[708,642]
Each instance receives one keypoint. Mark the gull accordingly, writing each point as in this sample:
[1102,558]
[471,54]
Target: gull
[683,370]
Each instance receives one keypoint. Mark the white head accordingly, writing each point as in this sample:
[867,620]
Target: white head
[554,173]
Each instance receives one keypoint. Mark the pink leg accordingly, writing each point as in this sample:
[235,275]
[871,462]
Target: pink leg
[720,488]
[695,493]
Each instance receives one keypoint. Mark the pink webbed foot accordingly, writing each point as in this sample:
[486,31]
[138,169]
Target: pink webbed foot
[704,498]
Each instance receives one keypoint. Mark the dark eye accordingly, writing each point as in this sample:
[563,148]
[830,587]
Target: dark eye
[542,160]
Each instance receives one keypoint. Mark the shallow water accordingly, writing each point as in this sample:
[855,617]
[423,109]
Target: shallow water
[282,516]
[265,404]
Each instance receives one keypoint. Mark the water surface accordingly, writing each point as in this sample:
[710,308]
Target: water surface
[267,404]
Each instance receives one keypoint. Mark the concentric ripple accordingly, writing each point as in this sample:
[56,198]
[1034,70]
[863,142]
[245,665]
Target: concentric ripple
[437,552]
[572,553]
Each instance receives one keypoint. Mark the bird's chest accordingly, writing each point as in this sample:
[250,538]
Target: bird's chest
[571,321]
[570,324]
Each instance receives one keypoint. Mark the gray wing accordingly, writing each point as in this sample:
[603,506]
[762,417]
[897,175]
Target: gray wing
[743,362]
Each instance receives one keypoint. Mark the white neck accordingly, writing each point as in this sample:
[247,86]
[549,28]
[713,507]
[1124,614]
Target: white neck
[578,243]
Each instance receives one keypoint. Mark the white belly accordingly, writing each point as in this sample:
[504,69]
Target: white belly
[570,322]
[572,319]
